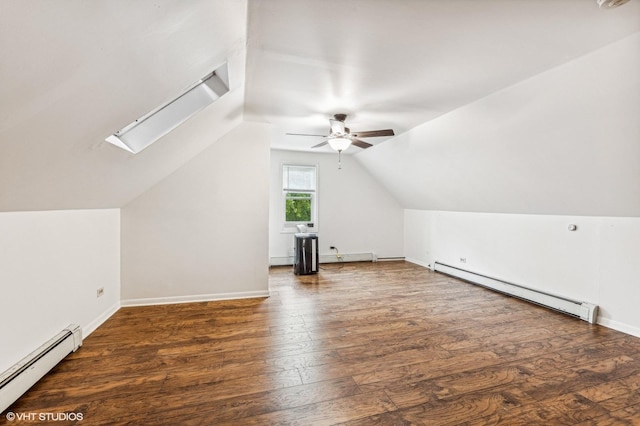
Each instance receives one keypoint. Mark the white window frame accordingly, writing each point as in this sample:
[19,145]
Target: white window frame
[291,227]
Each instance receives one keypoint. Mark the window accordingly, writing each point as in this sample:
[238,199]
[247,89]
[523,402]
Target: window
[299,196]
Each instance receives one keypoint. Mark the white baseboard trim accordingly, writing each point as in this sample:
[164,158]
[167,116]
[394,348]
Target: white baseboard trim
[93,325]
[348,257]
[618,326]
[281,261]
[418,262]
[327,258]
[194,298]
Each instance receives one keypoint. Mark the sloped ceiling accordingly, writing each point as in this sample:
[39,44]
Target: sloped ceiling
[398,64]
[504,106]
[564,142]
[72,72]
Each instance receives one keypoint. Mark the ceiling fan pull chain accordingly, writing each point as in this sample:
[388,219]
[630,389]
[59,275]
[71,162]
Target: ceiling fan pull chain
[340,160]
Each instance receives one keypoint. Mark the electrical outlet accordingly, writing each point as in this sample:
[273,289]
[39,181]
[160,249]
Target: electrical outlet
[463,260]
[100,292]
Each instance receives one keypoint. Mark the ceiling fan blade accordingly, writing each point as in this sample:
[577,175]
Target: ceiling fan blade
[360,144]
[323,143]
[374,133]
[304,134]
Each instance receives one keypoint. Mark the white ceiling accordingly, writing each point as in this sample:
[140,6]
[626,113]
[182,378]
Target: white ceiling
[74,71]
[397,64]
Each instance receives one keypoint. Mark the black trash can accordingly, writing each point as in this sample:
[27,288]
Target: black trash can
[306,259]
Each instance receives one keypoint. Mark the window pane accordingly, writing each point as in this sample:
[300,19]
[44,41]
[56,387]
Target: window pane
[298,195]
[299,177]
[298,210]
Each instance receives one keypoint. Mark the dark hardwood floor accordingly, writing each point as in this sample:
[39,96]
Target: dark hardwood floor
[387,343]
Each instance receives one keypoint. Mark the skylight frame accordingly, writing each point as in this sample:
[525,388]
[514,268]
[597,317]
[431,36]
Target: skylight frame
[143,132]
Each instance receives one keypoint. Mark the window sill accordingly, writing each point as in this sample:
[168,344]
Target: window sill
[288,230]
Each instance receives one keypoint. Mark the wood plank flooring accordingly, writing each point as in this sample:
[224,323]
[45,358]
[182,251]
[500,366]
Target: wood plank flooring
[388,343]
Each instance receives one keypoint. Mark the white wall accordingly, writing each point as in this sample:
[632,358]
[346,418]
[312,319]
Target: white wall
[355,213]
[51,265]
[202,233]
[597,263]
[417,236]
[562,142]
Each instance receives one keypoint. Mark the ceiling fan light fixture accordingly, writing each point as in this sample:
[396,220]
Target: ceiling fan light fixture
[339,144]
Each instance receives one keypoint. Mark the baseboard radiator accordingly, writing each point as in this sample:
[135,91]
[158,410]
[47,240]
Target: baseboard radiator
[18,379]
[583,310]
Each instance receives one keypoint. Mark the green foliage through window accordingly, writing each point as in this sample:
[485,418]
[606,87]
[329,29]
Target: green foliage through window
[298,207]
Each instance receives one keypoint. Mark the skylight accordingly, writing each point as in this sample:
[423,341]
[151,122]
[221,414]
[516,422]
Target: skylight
[147,129]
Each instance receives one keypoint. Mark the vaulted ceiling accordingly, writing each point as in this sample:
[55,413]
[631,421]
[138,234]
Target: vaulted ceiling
[398,64]
[73,71]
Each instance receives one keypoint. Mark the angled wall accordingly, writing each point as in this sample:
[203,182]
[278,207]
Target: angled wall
[563,142]
[202,233]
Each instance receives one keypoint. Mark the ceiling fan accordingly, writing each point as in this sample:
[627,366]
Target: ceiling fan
[340,137]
